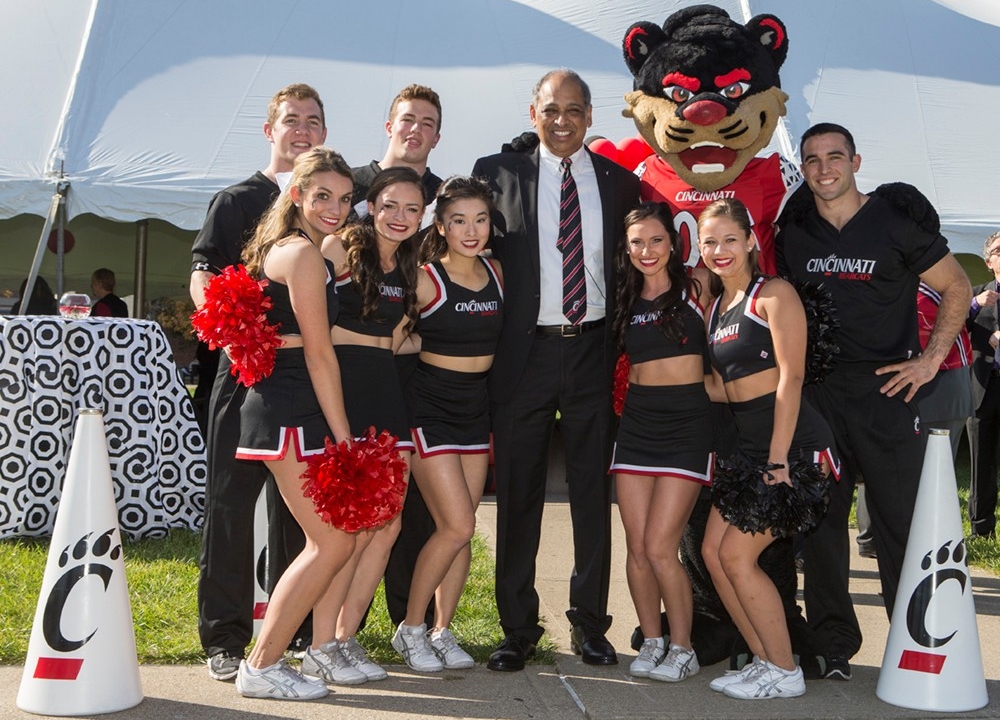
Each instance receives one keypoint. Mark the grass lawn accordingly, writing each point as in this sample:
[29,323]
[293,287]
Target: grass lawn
[163,579]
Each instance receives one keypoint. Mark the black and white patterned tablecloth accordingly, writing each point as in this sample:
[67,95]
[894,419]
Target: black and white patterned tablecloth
[49,369]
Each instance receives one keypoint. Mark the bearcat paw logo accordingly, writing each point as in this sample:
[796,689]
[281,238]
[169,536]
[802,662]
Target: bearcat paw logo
[944,564]
[81,559]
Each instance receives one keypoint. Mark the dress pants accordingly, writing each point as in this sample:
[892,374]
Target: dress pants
[567,375]
[984,434]
[881,438]
[227,562]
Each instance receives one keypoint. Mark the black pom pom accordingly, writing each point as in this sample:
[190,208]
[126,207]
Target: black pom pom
[746,502]
[526,142]
[821,329]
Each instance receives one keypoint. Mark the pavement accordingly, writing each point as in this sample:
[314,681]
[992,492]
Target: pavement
[566,689]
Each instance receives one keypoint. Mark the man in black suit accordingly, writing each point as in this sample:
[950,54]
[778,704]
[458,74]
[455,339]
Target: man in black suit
[984,426]
[555,355]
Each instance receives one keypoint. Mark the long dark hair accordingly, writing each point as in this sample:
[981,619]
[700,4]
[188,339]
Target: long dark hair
[457,187]
[630,280]
[363,260]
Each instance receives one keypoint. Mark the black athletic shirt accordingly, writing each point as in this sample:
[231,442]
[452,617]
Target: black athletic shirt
[739,340]
[871,268]
[645,341]
[230,223]
[460,322]
[388,313]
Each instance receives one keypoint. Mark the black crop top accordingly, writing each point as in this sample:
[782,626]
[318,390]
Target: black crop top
[388,313]
[460,322]
[739,340]
[281,304]
[645,341]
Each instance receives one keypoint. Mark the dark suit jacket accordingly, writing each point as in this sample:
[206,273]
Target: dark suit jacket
[514,178]
[980,329]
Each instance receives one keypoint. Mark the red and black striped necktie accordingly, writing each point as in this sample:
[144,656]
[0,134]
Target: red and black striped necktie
[570,243]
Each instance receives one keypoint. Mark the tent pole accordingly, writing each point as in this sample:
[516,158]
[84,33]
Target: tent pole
[61,247]
[58,200]
[141,247]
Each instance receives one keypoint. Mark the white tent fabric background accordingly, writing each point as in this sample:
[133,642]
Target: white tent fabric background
[150,107]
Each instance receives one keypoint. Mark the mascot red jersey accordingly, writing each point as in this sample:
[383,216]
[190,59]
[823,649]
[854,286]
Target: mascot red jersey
[707,99]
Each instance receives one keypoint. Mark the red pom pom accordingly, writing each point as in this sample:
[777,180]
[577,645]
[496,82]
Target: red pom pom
[357,484]
[233,317]
[620,387]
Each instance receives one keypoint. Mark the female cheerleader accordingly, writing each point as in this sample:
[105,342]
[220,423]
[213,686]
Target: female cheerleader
[461,299]
[376,270]
[662,455]
[757,346]
[287,416]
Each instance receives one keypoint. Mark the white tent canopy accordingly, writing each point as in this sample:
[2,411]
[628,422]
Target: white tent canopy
[148,108]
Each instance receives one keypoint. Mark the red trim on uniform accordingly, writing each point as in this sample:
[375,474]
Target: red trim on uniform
[288,437]
[439,291]
[827,455]
[678,473]
[426,451]
[495,274]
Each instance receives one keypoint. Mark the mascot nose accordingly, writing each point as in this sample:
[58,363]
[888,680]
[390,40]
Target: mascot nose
[704,112]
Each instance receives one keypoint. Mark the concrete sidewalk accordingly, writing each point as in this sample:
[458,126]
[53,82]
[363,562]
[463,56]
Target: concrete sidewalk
[568,689]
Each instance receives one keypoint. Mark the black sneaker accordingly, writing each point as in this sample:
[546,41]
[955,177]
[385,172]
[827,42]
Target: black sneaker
[223,666]
[837,668]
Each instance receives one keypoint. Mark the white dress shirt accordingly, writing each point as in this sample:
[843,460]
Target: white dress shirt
[592,225]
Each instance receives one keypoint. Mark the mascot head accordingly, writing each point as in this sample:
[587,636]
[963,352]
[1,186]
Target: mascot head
[707,96]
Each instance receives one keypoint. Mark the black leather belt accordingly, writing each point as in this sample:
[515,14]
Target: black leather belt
[569,330]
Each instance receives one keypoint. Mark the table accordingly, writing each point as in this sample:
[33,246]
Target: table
[50,367]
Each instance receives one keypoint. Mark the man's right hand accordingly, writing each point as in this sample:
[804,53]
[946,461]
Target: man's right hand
[987,297]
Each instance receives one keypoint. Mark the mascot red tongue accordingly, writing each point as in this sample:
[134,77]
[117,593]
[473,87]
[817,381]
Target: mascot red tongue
[707,99]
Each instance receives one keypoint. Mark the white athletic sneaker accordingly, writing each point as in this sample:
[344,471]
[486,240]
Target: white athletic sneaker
[679,663]
[331,665]
[749,671]
[446,648]
[410,641]
[650,655]
[770,682]
[359,659]
[277,681]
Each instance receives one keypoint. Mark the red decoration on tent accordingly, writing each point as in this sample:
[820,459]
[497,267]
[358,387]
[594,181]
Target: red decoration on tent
[357,484]
[620,387]
[233,317]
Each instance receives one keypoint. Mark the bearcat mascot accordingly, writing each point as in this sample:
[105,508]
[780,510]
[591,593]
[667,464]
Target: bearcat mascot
[707,99]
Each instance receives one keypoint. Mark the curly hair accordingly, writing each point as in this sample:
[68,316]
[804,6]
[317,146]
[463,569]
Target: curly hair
[457,187]
[276,225]
[630,280]
[363,262]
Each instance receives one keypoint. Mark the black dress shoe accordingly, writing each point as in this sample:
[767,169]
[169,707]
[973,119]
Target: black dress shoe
[511,654]
[593,646]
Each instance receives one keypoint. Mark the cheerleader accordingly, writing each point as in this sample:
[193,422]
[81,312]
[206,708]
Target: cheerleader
[662,455]
[376,270]
[286,416]
[757,346]
[460,295]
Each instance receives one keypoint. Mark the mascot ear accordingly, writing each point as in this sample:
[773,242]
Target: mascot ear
[771,33]
[640,40]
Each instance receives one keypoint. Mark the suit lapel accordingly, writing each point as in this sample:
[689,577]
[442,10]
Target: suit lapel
[527,177]
[611,233]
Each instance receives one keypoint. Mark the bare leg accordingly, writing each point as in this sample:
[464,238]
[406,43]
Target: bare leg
[673,500]
[308,576]
[452,486]
[635,494]
[710,549]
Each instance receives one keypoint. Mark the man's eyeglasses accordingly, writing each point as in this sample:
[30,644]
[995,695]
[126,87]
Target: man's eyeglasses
[994,252]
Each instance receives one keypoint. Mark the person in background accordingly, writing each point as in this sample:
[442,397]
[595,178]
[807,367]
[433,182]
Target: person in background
[102,284]
[984,426]
[42,300]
